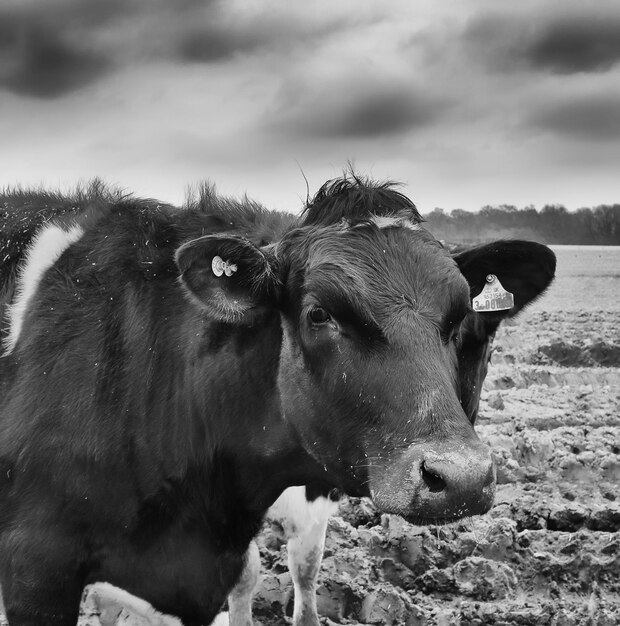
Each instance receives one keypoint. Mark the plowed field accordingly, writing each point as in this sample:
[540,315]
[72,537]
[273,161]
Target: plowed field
[548,552]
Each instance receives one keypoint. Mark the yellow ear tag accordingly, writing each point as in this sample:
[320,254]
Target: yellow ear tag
[493,297]
[220,267]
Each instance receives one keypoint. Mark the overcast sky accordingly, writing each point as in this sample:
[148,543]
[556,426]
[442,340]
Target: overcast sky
[467,102]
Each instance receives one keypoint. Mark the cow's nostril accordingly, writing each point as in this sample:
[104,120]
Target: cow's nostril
[433,480]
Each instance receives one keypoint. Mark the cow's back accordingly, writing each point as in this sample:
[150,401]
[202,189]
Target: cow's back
[23,214]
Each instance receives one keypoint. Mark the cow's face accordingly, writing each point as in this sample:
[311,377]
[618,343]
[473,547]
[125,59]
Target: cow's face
[371,316]
[369,367]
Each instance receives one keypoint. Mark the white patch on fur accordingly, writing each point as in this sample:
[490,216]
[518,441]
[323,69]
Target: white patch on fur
[221,619]
[305,553]
[240,598]
[304,525]
[389,222]
[45,249]
[296,514]
[110,602]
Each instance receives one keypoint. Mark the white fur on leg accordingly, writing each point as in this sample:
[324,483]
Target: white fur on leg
[240,598]
[305,553]
[304,525]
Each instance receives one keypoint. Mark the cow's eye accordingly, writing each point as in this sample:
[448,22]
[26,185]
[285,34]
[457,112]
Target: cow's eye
[318,316]
[451,331]
[452,334]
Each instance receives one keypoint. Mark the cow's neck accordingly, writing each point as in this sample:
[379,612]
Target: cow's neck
[238,440]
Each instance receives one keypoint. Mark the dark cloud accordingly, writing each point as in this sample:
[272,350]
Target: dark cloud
[62,16]
[218,38]
[587,44]
[47,52]
[51,47]
[562,44]
[364,110]
[213,43]
[591,119]
[376,115]
[45,66]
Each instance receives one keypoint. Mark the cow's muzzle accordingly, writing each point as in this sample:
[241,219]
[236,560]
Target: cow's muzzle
[435,481]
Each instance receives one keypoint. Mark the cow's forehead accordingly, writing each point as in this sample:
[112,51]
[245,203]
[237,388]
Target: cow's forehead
[384,246]
[382,264]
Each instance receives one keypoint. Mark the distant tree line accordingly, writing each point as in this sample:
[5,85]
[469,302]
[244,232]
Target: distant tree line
[553,224]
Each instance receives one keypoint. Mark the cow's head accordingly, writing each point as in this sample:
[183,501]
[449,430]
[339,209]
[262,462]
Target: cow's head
[371,308]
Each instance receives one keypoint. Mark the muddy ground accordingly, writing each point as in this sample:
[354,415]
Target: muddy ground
[548,552]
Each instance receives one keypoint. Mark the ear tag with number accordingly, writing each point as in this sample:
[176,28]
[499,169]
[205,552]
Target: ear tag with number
[493,297]
[220,267]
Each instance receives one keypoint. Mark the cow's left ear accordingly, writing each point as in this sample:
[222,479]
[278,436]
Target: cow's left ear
[524,268]
[228,276]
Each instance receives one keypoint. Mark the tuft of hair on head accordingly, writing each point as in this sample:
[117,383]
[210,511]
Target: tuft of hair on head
[355,199]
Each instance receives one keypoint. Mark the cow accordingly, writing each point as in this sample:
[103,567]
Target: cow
[167,373]
[303,512]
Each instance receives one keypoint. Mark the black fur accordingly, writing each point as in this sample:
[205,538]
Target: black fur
[144,431]
[354,198]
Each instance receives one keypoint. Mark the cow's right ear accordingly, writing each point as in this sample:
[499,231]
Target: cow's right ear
[228,276]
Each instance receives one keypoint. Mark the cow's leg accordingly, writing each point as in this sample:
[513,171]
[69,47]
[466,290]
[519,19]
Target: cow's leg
[41,582]
[305,552]
[240,599]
